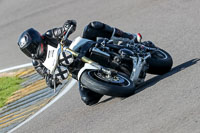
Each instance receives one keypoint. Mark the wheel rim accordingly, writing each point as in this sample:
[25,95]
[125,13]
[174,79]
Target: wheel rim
[117,79]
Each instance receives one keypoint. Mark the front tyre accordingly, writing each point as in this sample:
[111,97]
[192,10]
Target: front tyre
[118,85]
[160,62]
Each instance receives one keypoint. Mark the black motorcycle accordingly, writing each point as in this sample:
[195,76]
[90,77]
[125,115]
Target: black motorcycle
[110,67]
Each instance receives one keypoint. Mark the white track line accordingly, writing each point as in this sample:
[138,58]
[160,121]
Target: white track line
[16,67]
[70,85]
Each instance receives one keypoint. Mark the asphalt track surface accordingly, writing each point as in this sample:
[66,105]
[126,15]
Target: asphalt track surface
[167,104]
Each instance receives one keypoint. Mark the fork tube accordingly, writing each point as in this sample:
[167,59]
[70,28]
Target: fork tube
[84,59]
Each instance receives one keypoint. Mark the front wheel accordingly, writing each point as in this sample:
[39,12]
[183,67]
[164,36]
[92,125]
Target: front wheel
[160,62]
[117,85]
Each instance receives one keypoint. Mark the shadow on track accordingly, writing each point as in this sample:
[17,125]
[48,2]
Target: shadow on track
[158,78]
[106,100]
[173,71]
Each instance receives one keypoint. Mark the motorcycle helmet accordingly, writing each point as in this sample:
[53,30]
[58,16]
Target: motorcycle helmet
[29,42]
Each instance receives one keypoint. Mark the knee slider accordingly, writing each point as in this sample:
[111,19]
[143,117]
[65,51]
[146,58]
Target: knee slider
[97,25]
[35,63]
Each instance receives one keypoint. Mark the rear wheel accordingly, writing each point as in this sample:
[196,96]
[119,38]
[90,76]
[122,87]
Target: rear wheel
[160,62]
[113,85]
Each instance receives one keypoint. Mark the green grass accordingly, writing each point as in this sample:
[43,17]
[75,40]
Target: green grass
[8,85]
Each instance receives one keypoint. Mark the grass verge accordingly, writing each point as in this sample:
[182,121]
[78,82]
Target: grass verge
[8,85]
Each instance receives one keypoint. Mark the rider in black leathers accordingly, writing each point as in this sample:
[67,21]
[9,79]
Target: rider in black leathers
[34,45]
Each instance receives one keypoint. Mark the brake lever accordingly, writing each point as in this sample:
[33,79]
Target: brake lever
[67,33]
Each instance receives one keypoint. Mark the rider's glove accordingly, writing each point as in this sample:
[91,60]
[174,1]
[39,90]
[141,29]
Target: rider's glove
[68,24]
[39,68]
[50,81]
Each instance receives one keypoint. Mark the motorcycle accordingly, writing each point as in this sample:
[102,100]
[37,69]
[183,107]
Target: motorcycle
[112,67]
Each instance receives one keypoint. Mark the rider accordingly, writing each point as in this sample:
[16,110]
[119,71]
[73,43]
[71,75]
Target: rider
[34,46]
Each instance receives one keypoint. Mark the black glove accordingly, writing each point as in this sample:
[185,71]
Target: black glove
[39,68]
[50,81]
[68,24]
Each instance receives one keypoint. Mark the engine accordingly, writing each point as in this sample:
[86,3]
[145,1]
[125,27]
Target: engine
[113,57]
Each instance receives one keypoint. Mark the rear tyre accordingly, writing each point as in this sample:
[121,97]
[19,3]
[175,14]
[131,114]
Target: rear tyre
[160,62]
[118,85]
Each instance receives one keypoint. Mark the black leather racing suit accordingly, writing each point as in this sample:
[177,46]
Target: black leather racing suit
[91,31]
[51,37]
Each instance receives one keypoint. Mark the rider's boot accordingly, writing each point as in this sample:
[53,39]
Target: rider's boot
[89,97]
